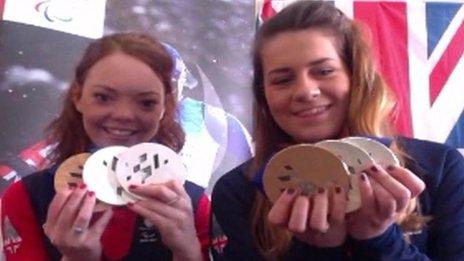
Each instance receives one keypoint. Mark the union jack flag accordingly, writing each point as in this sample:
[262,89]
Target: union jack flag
[419,47]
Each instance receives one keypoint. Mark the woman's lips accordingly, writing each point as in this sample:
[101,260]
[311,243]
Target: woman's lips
[314,111]
[119,132]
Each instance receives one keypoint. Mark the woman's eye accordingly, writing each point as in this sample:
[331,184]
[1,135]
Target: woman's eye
[148,104]
[326,71]
[279,81]
[101,97]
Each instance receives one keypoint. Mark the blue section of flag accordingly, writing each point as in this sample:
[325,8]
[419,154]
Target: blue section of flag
[439,16]
[456,136]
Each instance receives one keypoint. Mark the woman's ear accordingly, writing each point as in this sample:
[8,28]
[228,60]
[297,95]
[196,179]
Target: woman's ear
[76,95]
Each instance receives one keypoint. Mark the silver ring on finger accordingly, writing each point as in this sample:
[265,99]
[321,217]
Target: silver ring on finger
[44,228]
[78,230]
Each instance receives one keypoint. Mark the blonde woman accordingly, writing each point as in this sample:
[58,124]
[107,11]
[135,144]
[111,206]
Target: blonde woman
[314,79]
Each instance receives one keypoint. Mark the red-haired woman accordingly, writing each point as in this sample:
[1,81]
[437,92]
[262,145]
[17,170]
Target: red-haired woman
[121,95]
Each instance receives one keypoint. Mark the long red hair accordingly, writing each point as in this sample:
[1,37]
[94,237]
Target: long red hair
[67,132]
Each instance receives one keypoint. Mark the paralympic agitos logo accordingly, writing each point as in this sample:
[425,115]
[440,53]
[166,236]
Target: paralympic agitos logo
[56,11]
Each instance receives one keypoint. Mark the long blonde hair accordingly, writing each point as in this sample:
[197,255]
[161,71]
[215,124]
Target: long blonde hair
[366,116]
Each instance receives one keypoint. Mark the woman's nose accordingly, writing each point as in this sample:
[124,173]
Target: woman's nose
[123,111]
[307,88]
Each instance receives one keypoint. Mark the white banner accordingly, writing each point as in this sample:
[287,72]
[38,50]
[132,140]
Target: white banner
[80,17]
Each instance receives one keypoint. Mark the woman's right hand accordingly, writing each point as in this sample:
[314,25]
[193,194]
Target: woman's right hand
[67,224]
[385,194]
[318,219]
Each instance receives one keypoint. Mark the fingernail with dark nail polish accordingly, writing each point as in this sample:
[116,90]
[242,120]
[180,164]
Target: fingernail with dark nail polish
[391,168]
[320,190]
[374,168]
[132,186]
[305,192]
[363,177]
[338,189]
[82,186]
[290,191]
[90,193]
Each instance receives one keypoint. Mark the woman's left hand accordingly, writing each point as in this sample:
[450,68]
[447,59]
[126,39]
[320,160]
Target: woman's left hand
[317,219]
[385,193]
[168,207]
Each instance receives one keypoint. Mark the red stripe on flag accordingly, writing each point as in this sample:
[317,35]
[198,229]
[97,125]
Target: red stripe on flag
[388,24]
[445,66]
[2,6]
[267,11]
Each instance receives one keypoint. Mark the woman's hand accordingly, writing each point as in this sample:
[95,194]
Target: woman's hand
[168,207]
[384,195]
[318,220]
[67,224]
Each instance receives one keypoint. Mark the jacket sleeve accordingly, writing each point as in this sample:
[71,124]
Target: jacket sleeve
[231,203]
[22,235]
[202,227]
[388,246]
[446,239]
[443,201]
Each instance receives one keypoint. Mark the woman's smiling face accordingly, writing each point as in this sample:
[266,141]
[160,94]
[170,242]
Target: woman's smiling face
[306,84]
[121,101]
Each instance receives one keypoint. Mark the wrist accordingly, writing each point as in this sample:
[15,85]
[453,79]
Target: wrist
[390,234]
[79,258]
[192,253]
[368,234]
[384,245]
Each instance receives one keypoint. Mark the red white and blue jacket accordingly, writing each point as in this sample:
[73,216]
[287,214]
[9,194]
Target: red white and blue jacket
[126,237]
